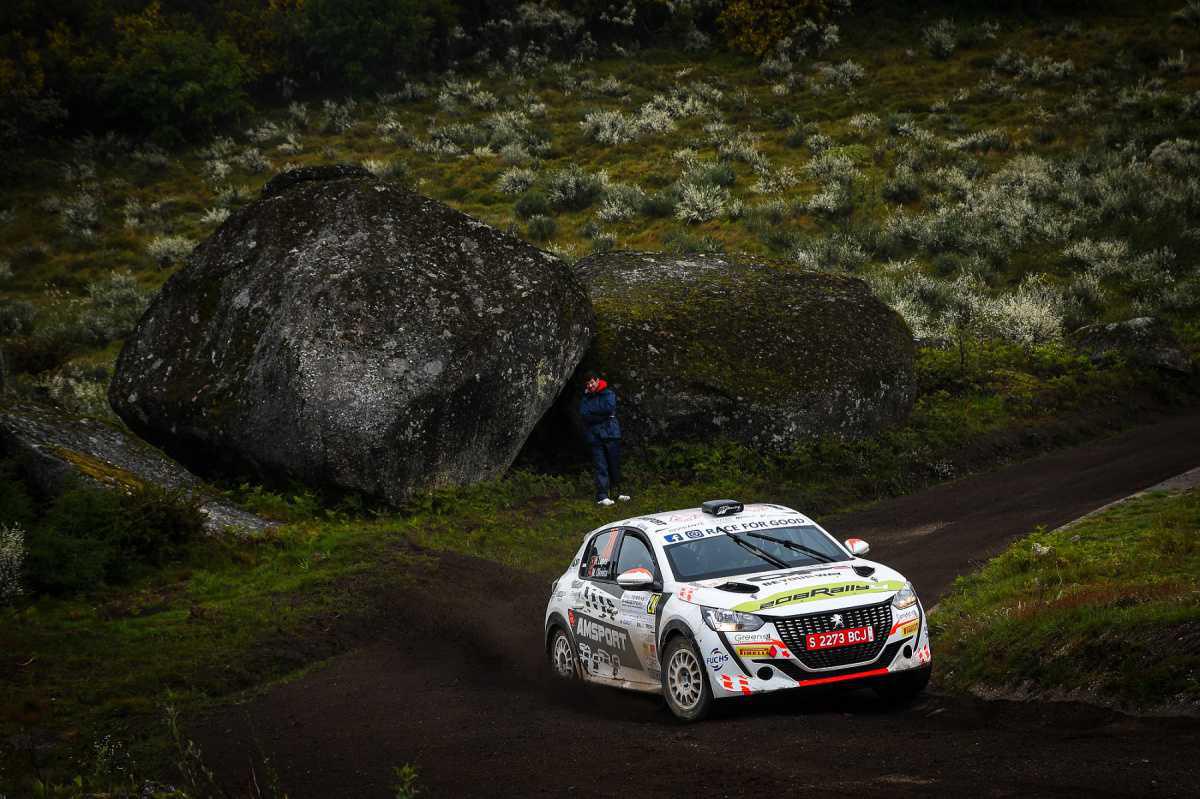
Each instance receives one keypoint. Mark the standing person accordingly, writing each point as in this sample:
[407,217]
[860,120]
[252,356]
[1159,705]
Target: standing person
[603,433]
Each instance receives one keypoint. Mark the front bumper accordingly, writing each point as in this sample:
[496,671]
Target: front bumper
[740,664]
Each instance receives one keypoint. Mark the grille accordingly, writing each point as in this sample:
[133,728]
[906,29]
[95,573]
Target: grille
[793,629]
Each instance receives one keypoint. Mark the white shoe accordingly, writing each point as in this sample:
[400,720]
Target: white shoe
[605,502]
[623,497]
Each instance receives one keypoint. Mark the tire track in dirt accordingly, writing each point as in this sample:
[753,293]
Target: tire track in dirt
[453,681]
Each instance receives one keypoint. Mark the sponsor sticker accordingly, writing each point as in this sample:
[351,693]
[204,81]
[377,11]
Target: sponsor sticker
[652,604]
[752,637]
[671,538]
[716,659]
[694,534]
[769,649]
[685,593]
[909,629]
[817,593]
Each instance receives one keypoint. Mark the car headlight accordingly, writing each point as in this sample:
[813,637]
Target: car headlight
[730,621]
[906,597]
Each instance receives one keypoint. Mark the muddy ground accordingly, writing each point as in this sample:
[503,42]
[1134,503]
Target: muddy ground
[453,681]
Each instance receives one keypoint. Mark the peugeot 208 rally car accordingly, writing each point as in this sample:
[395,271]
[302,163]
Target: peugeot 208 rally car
[728,600]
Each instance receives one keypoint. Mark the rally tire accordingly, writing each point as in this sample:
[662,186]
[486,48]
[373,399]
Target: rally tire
[902,688]
[685,685]
[563,660]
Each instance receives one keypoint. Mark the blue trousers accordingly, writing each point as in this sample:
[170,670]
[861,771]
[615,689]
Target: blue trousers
[606,457]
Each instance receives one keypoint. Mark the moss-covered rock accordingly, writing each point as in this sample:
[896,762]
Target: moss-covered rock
[56,449]
[705,346]
[342,331]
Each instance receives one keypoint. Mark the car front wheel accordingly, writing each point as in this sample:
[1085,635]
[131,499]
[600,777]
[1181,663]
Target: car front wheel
[562,656]
[684,683]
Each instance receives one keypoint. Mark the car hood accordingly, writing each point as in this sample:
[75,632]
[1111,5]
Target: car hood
[792,592]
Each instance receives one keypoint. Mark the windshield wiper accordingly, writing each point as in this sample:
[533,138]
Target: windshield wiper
[746,545]
[821,557]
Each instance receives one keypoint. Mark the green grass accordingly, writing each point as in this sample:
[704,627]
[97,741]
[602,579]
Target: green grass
[229,617]
[1107,610]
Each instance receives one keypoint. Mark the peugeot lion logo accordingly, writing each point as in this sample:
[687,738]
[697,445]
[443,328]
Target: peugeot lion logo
[837,620]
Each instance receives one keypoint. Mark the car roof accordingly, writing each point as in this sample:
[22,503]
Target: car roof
[660,526]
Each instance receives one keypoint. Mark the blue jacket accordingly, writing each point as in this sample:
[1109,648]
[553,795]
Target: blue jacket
[599,412]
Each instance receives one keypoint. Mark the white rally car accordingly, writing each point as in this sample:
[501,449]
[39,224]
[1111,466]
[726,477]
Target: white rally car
[729,600]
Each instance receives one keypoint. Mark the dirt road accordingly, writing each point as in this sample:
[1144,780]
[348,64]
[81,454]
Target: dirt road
[454,683]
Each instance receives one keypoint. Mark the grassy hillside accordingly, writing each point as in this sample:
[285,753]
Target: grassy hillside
[1104,611]
[999,181]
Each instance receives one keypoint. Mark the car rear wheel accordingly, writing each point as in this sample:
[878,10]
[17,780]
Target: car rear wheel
[902,688]
[562,656]
[684,683]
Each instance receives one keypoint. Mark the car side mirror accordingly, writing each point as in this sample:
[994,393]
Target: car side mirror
[635,578]
[857,547]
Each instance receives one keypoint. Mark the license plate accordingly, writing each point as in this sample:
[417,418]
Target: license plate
[836,638]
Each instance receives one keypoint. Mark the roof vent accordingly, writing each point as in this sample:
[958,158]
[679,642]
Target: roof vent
[722,507]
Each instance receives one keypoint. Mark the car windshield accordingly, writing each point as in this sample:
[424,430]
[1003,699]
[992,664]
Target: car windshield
[721,556]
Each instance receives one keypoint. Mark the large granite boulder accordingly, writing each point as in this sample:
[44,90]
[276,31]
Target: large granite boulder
[56,449]
[1144,341]
[705,347]
[342,331]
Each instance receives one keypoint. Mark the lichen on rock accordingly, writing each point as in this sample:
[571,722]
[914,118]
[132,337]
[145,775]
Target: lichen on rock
[343,331]
[705,347]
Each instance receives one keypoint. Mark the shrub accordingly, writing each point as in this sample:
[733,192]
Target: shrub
[659,205]
[81,216]
[902,186]
[173,82]
[395,169]
[700,202]
[542,228]
[116,305]
[515,180]
[12,561]
[532,203]
[359,41]
[573,189]
[755,26]
[941,38]
[169,250]
[91,536]
[621,202]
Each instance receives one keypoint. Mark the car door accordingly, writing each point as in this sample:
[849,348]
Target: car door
[638,608]
[603,646]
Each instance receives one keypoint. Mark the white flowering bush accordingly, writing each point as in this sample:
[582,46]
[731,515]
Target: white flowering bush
[81,215]
[115,305]
[339,117]
[574,189]
[253,161]
[12,561]
[1040,69]
[610,127]
[215,216]
[842,76]
[1176,64]
[387,169]
[940,38]
[700,202]
[169,250]
[864,122]
[515,180]
[390,129]
[622,201]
